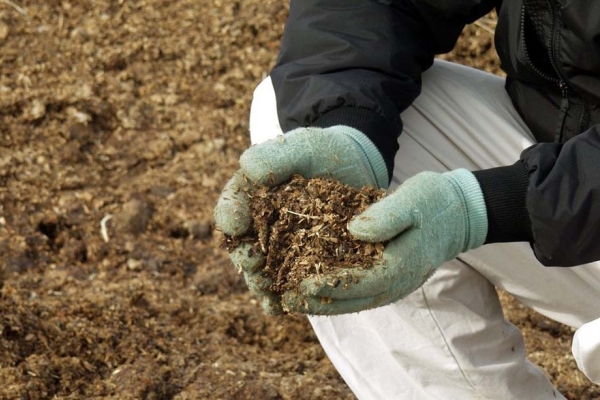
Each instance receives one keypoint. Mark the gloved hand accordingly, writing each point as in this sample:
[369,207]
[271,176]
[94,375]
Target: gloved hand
[338,152]
[431,218]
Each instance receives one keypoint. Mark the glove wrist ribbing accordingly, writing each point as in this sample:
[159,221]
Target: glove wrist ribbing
[370,153]
[468,189]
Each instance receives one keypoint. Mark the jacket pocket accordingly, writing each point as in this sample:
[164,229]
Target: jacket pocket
[522,53]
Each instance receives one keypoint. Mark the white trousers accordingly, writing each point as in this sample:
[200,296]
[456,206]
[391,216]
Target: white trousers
[449,339]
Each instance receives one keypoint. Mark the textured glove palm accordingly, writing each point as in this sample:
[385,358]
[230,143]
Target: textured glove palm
[339,152]
[430,219]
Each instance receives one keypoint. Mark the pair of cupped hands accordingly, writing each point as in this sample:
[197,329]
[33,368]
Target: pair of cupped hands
[429,219]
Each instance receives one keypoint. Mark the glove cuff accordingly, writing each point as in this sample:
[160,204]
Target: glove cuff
[468,187]
[369,152]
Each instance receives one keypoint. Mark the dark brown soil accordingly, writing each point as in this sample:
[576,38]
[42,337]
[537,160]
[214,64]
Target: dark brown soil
[137,110]
[301,228]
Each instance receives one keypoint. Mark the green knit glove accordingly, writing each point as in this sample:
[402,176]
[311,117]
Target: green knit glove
[430,219]
[338,152]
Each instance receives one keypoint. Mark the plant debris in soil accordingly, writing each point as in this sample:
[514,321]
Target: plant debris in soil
[300,226]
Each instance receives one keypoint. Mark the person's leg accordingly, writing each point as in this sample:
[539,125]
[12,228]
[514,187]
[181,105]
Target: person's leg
[586,350]
[449,339]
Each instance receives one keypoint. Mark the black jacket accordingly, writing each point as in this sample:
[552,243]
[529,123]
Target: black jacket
[359,63]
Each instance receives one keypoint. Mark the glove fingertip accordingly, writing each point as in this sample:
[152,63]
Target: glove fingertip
[311,286]
[232,212]
[232,219]
[322,286]
[264,164]
[310,305]
[364,227]
[294,302]
[258,283]
[246,259]
[272,305]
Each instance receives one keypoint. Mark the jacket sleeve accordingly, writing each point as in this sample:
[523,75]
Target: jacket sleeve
[359,62]
[563,199]
[551,198]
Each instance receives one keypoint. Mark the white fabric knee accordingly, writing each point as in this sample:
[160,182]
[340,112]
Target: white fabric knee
[586,350]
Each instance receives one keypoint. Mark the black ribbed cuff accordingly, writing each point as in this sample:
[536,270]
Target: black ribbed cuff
[504,191]
[382,133]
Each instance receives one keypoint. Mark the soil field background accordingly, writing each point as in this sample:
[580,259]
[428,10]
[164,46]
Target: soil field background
[120,122]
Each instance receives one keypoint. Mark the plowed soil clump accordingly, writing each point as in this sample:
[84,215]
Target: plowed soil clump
[300,226]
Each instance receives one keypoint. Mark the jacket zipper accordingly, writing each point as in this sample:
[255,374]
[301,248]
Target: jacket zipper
[563,86]
[558,79]
[538,71]
[583,122]
[564,107]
